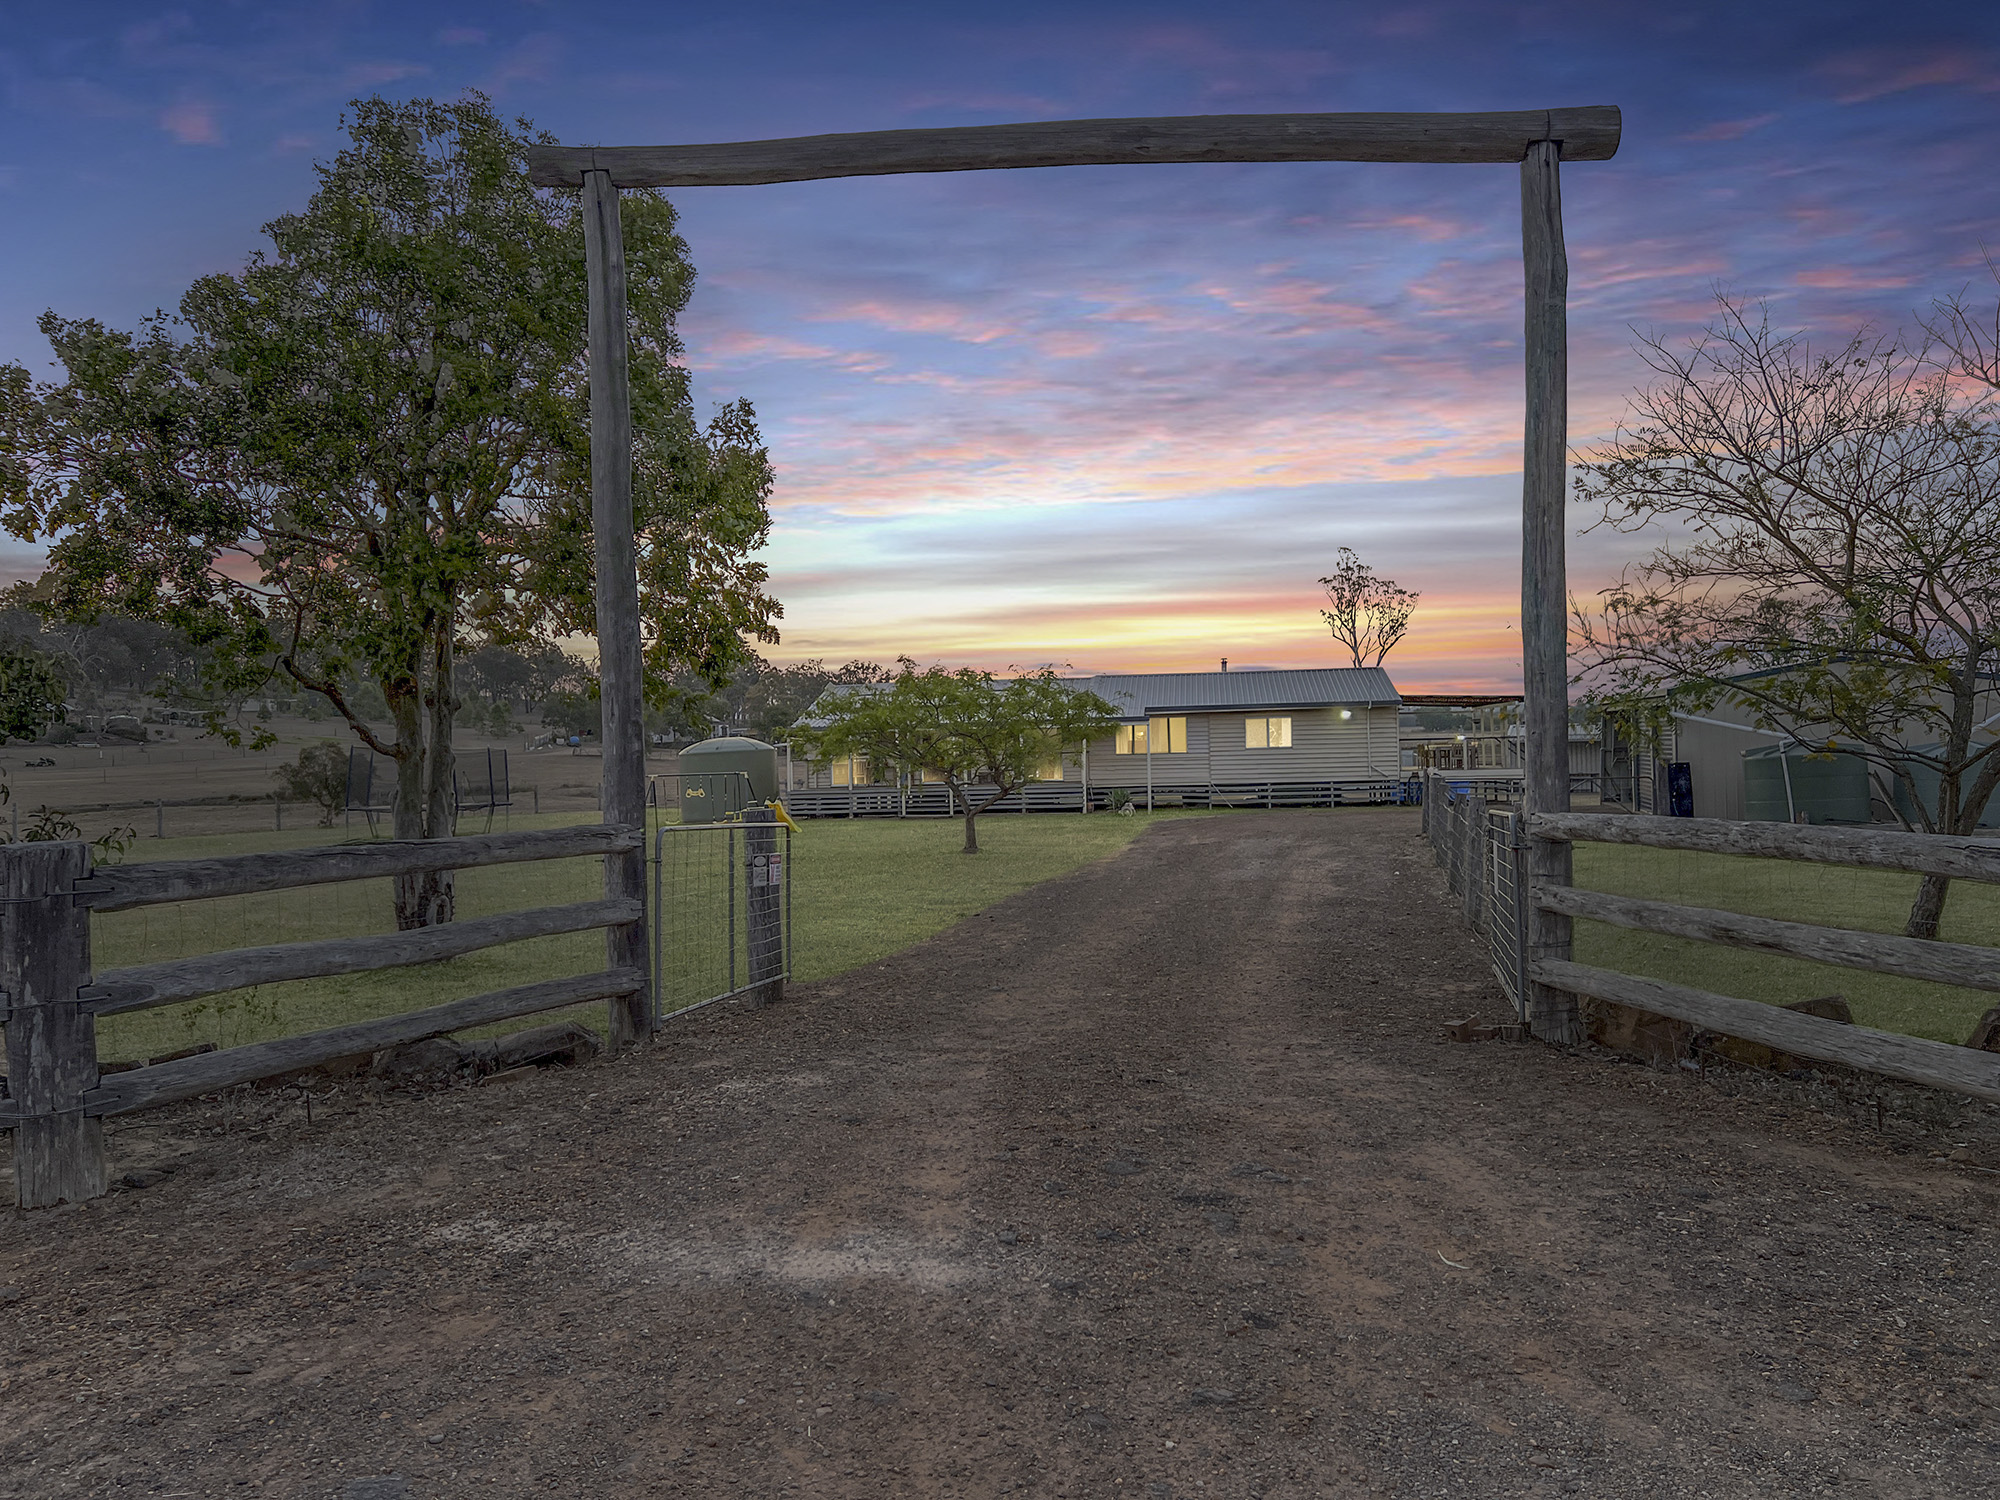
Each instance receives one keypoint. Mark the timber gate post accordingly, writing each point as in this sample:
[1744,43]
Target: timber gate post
[623,795]
[1552,1014]
[51,1037]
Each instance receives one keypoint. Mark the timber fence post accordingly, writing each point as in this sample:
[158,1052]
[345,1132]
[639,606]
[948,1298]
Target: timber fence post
[1553,1014]
[51,1038]
[620,667]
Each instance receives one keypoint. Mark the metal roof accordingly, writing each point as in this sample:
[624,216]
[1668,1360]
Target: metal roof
[1140,694]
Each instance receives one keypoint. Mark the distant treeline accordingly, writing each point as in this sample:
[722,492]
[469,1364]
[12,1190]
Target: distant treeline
[122,664]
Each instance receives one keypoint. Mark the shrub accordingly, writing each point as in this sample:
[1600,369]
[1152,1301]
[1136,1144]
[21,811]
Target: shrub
[318,776]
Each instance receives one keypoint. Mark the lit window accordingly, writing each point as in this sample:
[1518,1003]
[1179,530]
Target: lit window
[1130,739]
[1049,770]
[1169,736]
[1267,734]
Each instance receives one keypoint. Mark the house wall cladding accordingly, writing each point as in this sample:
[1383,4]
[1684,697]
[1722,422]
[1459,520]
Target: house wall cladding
[1324,747]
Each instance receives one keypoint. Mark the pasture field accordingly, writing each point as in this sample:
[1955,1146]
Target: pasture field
[1866,900]
[861,890]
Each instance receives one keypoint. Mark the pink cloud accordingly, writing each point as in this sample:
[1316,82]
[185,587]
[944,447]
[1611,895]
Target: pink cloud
[192,123]
[1431,228]
[919,317]
[1730,130]
[1871,75]
[1847,279]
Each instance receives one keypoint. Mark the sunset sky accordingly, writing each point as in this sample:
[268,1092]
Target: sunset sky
[1114,417]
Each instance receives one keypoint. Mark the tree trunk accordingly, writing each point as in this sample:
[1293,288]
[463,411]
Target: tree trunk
[408,817]
[1928,910]
[425,805]
[971,829]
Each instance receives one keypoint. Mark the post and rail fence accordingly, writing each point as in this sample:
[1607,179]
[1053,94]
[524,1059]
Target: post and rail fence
[50,997]
[1497,891]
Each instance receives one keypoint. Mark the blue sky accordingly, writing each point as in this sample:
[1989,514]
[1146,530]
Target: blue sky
[1118,417]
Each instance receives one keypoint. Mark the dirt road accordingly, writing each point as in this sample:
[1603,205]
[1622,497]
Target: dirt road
[1156,1180]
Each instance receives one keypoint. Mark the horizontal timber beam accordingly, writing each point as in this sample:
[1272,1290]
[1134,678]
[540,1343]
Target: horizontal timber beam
[148,985]
[1868,848]
[1962,1070]
[121,887]
[1910,958]
[1587,133]
[162,1083]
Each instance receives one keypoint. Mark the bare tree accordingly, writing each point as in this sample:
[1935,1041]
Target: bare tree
[1369,614]
[1833,561]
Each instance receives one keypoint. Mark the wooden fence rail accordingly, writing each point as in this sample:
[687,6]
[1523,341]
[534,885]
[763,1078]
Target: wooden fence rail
[50,1001]
[1938,1064]
[122,887]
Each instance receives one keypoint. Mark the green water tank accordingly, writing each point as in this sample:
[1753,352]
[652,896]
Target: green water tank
[1928,781]
[723,776]
[1825,788]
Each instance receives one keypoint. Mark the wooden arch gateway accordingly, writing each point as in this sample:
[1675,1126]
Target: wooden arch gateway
[1538,140]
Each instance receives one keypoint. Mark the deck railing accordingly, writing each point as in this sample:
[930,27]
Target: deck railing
[50,998]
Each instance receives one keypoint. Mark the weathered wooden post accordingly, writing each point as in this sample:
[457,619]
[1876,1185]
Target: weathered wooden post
[51,1039]
[1552,1014]
[623,794]
[764,905]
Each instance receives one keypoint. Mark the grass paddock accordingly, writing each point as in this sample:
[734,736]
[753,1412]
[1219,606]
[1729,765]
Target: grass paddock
[1827,895]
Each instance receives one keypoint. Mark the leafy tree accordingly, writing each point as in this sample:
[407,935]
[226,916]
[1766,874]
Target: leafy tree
[763,698]
[1834,566]
[1369,615]
[964,727]
[33,692]
[370,447]
[572,711]
[318,776]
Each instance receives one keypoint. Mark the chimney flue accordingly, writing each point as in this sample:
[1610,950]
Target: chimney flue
[1225,664]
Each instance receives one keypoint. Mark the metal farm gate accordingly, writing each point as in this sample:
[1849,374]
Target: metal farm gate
[722,912]
[1483,853]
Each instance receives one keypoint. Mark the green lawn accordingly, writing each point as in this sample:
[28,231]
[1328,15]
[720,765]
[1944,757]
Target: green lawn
[860,890]
[1867,900]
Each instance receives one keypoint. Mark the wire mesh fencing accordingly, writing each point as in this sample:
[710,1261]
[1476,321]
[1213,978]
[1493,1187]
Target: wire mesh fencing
[722,912]
[1482,852]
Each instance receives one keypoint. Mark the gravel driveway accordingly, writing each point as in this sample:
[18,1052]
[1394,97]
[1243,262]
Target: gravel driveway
[1155,1180]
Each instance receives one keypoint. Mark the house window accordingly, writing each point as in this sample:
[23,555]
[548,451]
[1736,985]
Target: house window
[1049,770]
[1268,734]
[849,770]
[1161,736]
